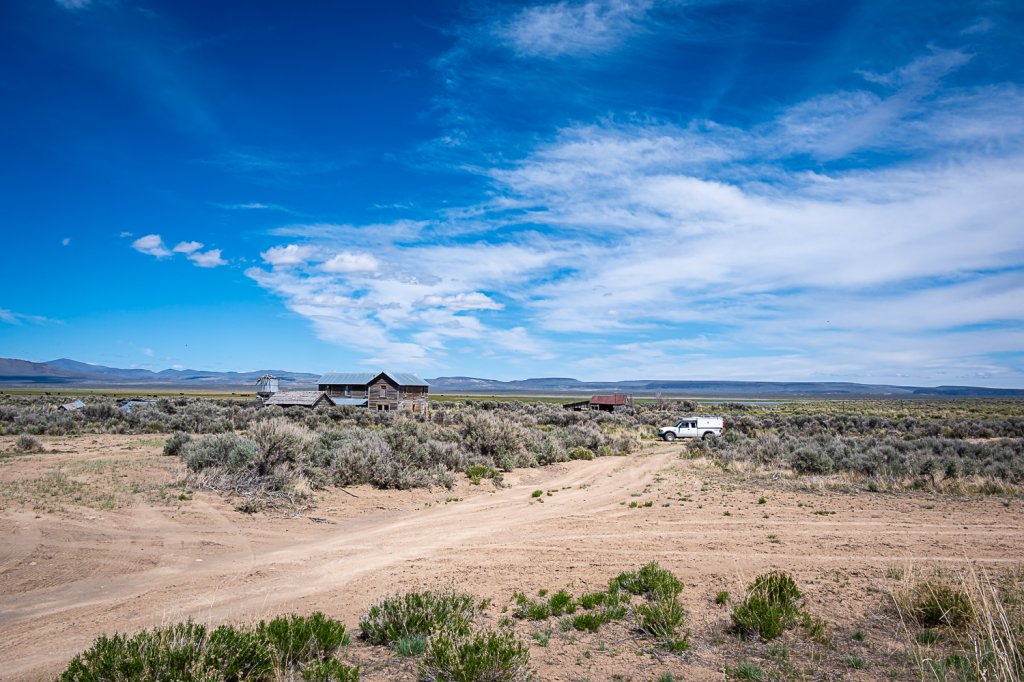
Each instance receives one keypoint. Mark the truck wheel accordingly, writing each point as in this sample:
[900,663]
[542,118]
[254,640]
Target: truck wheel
[669,437]
[708,435]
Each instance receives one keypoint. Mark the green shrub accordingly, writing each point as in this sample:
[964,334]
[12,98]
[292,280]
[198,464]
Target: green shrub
[331,670]
[746,671]
[651,581]
[184,651]
[561,603]
[770,607]
[592,599]
[536,493]
[582,453]
[662,619]
[486,656]
[531,609]
[590,621]
[478,472]
[174,444]
[417,614]
[810,460]
[411,645]
[613,606]
[297,640]
[224,450]
[721,597]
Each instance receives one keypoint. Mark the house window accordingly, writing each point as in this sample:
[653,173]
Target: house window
[383,391]
[348,391]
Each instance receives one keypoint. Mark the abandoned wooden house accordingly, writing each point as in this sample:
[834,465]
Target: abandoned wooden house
[298,399]
[616,402]
[382,391]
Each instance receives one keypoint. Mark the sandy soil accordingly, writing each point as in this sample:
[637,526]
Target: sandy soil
[116,552]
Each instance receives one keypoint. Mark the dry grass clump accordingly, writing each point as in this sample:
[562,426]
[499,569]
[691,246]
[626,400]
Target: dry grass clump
[28,444]
[967,625]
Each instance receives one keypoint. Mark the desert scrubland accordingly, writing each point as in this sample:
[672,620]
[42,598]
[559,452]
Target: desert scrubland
[852,540]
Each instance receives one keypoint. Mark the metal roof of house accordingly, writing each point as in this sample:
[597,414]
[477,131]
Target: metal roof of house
[617,399]
[303,398]
[364,378]
[72,406]
[355,402]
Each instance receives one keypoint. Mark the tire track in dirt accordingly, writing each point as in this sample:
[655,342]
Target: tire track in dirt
[212,590]
[489,542]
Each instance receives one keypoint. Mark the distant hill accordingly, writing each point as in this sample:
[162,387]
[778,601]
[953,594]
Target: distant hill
[750,389]
[69,373]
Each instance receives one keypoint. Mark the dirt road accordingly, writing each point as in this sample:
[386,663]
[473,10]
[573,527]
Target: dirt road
[70,575]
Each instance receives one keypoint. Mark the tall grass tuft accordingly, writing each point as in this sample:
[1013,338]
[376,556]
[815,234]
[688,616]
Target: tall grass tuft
[485,656]
[980,615]
[770,607]
[417,614]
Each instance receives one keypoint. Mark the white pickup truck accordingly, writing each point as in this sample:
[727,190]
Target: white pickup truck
[693,427]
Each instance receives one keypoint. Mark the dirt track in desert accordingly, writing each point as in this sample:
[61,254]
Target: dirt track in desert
[69,573]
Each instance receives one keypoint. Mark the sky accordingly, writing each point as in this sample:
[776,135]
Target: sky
[605,190]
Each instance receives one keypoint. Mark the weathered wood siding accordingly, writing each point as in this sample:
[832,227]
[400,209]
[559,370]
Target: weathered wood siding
[394,397]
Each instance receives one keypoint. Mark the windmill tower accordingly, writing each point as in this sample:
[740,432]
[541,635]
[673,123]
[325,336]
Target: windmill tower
[266,386]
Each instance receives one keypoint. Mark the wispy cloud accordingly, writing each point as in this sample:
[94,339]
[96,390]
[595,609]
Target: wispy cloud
[571,28]
[279,167]
[257,206]
[11,317]
[73,4]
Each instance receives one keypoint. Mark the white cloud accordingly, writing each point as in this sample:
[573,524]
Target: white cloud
[207,259]
[66,241]
[464,301]
[11,317]
[288,256]
[982,25]
[707,251]
[124,234]
[571,29]
[187,247]
[73,4]
[152,245]
[347,261]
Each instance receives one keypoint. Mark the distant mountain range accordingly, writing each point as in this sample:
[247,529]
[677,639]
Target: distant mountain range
[74,373]
[65,373]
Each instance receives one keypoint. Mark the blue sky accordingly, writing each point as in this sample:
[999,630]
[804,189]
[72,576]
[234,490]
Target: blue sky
[605,190]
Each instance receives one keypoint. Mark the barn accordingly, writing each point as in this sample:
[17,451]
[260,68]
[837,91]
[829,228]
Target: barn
[604,403]
[381,391]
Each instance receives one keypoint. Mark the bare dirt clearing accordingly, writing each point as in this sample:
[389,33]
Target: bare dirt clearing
[114,550]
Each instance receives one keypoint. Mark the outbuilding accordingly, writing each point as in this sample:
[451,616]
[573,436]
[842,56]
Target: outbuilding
[299,399]
[604,403]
